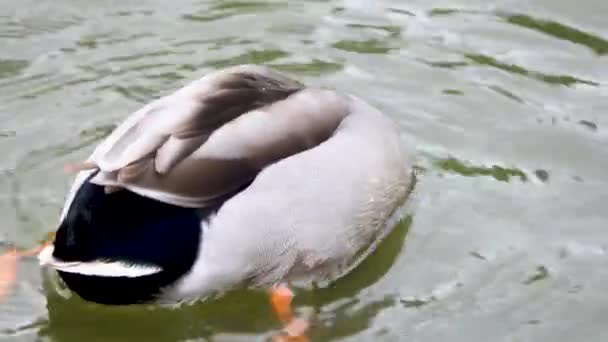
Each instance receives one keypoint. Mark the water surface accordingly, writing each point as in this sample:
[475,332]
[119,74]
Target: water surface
[503,103]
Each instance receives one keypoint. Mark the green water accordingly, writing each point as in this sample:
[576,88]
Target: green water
[504,104]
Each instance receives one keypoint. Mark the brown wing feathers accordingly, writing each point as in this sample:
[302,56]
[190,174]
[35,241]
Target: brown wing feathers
[216,134]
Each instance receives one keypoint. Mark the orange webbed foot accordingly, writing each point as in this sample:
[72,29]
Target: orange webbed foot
[294,330]
[281,297]
[8,272]
[9,265]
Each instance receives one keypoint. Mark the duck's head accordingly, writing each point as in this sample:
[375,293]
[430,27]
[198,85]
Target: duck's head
[122,248]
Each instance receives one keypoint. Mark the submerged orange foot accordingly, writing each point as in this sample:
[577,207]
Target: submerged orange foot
[8,266]
[295,328]
[8,272]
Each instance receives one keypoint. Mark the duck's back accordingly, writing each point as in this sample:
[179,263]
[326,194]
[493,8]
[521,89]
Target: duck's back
[311,216]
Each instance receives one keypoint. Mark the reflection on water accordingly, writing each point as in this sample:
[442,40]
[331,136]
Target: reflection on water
[239,312]
[503,103]
[555,29]
[516,69]
[11,67]
[366,46]
[498,172]
[314,68]
[223,9]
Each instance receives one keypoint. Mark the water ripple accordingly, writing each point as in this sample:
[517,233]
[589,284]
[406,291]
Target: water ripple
[565,80]
[224,9]
[370,46]
[32,25]
[315,67]
[11,67]
[501,104]
[252,56]
[561,31]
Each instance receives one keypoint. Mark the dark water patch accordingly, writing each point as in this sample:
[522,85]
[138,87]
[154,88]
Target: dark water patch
[98,132]
[220,43]
[250,57]
[301,29]
[506,93]
[187,67]
[446,65]
[144,67]
[121,14]
[224,9]
[590,125]
[315,67]
[337,10]
[33,86]
[148,70]
[32,25]
[577,179]
[497,172]
[12,67]
[214,44]
[575,289]
[561,31]
[393,31]
[96,40]
[516,69]
[7,134]
[68,50]
[46,89]
[169,76]
[401,11]
[415,303]
[452,92]
[82,80]
[135,93]
[247,6]
[563,79]
[22,329]
[198,42]
[539,274]
[89,102]
[541,174]
[48,154]
[131,13]
[435,12]
[370,46]
[25,82]
[478,255]
[348,321]
[204,18]
[88,43]
[140,69]
[439,12]
[139,56]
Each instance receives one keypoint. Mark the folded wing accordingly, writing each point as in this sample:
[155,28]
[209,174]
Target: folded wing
[213,136]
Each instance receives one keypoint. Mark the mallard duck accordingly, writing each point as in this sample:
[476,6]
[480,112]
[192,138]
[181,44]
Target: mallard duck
[244,177]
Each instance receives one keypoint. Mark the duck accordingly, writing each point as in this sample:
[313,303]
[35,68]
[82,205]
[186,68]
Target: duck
[242,178]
